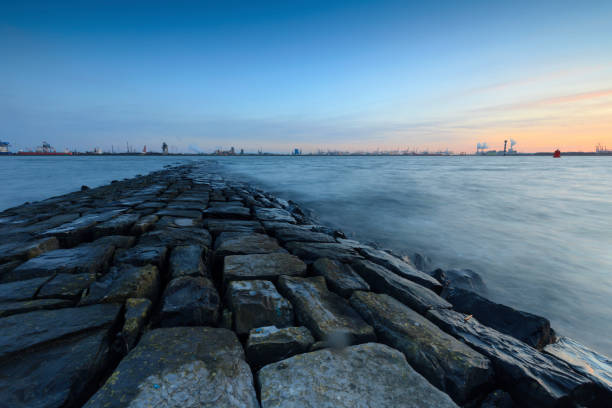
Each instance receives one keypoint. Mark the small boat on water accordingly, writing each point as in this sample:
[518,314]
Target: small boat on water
[557,154]
[45,150]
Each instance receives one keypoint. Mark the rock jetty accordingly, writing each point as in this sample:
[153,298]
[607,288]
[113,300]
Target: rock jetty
[183,289]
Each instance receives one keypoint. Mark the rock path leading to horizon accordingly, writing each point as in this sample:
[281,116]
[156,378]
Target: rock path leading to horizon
[186,289]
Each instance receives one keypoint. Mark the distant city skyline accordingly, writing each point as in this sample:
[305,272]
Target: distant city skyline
[276,76]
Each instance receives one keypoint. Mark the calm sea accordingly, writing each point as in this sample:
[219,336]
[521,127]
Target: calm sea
[539,230]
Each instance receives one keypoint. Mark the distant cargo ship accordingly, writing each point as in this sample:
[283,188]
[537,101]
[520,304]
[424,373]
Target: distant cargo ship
[45,150]
[4,147]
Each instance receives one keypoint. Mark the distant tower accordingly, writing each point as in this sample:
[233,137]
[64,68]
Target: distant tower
[505,143]
[165,148]
[296,152]
[232,151]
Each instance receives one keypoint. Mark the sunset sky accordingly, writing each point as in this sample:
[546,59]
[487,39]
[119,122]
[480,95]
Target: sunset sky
[308,74]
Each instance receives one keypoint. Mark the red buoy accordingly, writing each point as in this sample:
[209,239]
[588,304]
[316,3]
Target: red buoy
[557,154]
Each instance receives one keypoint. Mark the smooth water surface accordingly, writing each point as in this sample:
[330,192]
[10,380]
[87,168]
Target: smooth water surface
[538,229]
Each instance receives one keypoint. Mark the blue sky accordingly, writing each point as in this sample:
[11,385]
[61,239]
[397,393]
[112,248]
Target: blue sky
[277,75]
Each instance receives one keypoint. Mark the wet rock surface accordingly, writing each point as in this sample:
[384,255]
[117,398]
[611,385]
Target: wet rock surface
[366,375]
[327,315]
[447,363]
[115,297]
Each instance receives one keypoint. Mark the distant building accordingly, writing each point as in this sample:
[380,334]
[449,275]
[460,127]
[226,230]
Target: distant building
[4,147]
[241,151]
[164,148]
[297,152]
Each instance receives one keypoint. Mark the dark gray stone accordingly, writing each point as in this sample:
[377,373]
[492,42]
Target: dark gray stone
[532,329]
[328,316]
[87,258]
[21,290]
[257,303]
[116,226]
[311,251]
[81,229]
[233,212]
[144,224]
[262,266]
[27,250]
[270,344]
[190,301]
[66,286]
[58,376]
[175,222]
[298,234]
[181,367]
[447,363]
[236,243]
[123,282]
[340,277]
[177,236]
[23,331]
[498,399]
[24,306]
[461,279]
[367,375]
[408,292]
[186,260]
[197,215]
[118,241]
[142,254]
[533,378]
[402,268]
[217,226]
[274,214]
[137,312]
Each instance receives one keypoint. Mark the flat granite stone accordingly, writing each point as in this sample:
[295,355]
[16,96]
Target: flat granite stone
[118,241]
[404,269]
[123,282]
[234,212]
[274,214]
[176,236]
[303,235]
[144,224]
[190,301]
[327,315]
[142,254]
[217,226]
[340,277]
[27,250]
[86,258]
[444,361]
[311,251]
[66,286]
[181,367]
[57,376]
[257,303]
[366,375]
[24,306]
[412,294]
[197,215]
[21,290]
[81,229]
[176,222]
[23,331]
[116,226]
[534,379]
[236,243]
[270,344]
[137,312]
[262,266]
[186,260]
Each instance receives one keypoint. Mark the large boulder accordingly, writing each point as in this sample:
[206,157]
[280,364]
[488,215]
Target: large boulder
[327,315]
[406,291]
[262,266]
[196,215]
[137,312]
[285,235]
[66,286]
[366,375]
[447,363]
[274,214]
[461,278]
[533,378]
[257,303]
[123,282]
[116,226]
[21,290]
[340,277]
[187,260]
[217,226]
[589,363]
[190,301]
[24,331]
[27,250]
[61,375]
[311,251]
[141,255]
[270,344]
[81,229]
[181,367]
[228,211]
[404,269]
[177,236]
[87,258]
[236,243]
[532,329]
[144,224]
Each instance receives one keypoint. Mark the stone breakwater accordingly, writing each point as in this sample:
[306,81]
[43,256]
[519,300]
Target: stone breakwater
[182,289]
